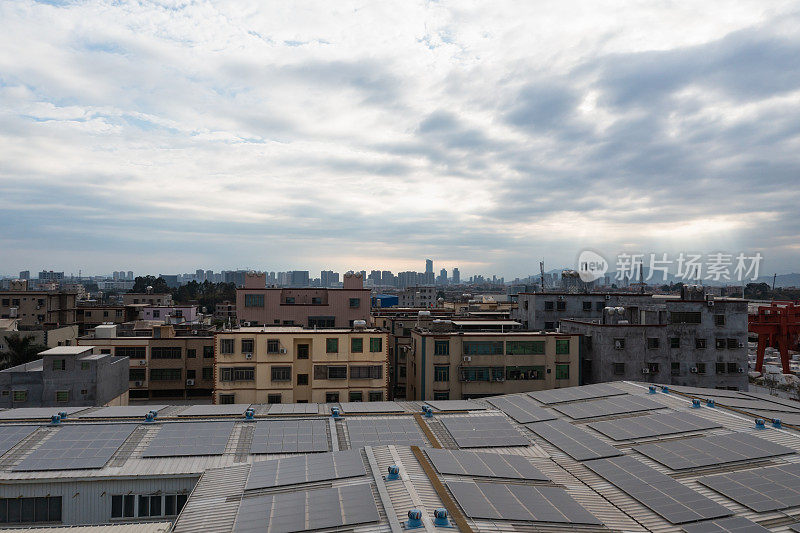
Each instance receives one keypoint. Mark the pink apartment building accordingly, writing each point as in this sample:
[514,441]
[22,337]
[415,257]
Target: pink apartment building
[310,307]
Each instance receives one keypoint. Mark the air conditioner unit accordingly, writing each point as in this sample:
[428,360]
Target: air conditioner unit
[142,362]
[693,370]
[248,356]
[711,303]
[137,383]
[561,298]
[741,370]
[645,371]
[741,344]
[190,382]
[246,324]
[283,350]
[608,296]
[467,359]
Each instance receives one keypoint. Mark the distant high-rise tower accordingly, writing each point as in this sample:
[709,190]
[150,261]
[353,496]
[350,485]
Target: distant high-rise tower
[456,276]
[130,275]
[429,266]
[25,274]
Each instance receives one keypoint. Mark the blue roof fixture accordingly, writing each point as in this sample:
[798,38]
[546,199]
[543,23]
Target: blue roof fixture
[440,518]
[149,417]
[776,423]
[335,413]
[55,420]
[154,413]
[427,411]
[665,389]
[394,473]
[250,414]
[414,519]
[62,414]
[696,403]
[760,423]
[710,403]
[652,389]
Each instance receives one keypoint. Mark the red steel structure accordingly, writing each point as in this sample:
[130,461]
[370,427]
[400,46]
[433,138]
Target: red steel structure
[778,326]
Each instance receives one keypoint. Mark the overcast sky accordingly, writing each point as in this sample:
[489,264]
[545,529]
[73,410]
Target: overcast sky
[163,137]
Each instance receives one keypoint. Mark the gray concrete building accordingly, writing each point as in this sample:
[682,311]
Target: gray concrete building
[418,297]
[66,376]
[542,311]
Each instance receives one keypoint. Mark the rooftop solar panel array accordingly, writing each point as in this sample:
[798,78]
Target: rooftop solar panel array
[795,527]
[178,439]
[307,510]
[400,430]
[705,393]
[290,436]
[10,436]
[527,503]
[230,409]
[733,524]
[294,409]
[455,405]
[572,440]
[483,431]
[666,497]
[750,404]
[706,451]
[654,425]
[570,394]
[123,411]
[371,407]
[762,489]
[522,409]
[494,465]
[78,447]
[305,469]
[608,406]
[25,413]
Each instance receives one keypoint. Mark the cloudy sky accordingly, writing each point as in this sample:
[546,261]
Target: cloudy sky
[169,136]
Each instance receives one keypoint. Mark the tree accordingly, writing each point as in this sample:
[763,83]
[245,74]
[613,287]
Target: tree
[21,350]
[141,283]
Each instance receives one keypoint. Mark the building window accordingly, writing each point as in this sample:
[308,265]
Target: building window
[720,368]
[524,373]
[733,368]
[122,506]
[685,317]
[165,374]
[561,305]
[248,345]
[62,396]
[549,305]
[375,396]
[675,369]
[366,372]
[652,343]
[483,373]
[441,395]
[483,348]
[302,351]
[549,325]
[701,368]
[441,373]
[619,344]
[733,344]
[355,303]
[356,345]
[137,374]
[562,346]
[376,344]
[191,353]
[587,306]
[208,352]
[562,371]
[165,352]
[59,364]
[26,510]
[653,368]
[316,300]
[619,369]
[720,344]
[156,313]
[226,346]
[441,347]
[273,398]
[700,344]
[191,374]
[86,365]
[246,373]
[401,369]
[227,399]
[675,342]
[208,373]
[302,379]
[321,321]
[719,320]
[337,372]
[525,347]
[254,300]
[356,396]
[332,345]
[331,397]
[281,373]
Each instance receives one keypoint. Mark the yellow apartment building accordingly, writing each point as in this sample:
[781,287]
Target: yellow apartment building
[300,365]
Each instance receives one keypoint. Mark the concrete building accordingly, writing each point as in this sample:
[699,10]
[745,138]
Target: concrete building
[39,309]
[542,311]
[171,314]
[225,311]
[258,305]
[167,363]
[449,365]
[130,298]
[66,376]
[418,297]
[297,365]
[696,341]
[89,315]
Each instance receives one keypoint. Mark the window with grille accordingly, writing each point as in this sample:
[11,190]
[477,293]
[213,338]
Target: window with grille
[332,345]
[226,346]
[376,344]
[356,345]
[165,352]
[281,373]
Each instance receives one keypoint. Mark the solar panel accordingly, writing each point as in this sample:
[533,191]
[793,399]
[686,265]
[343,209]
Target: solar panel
[711,450]
[371,407]
[572,440]
[399,430]
[528,503]
[734,524]
[27,413]
[795,527]
[483,431]
[522,409]
[123,411]
[306,510]
[294,409]
[607,407]
[290,436]
[495,465]
[763,489]
[455,405]
[639,427]
[10,436]
[750,404]
[787,402]
[570,394]
[706,393]
[305,469]
[216,410]
[178,439]
[666,497]
[78,447]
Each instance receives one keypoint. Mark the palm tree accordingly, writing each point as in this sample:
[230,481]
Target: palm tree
[21,349]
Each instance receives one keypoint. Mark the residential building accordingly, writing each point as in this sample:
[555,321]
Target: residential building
[257,305]
[90,315]
[66,376]
[542,311]
[418,297]
[40,309]
[297,365]
[171,314]
[147,298]
[456,276]
[49,275]
[167,363]
[452,365]
[225,311]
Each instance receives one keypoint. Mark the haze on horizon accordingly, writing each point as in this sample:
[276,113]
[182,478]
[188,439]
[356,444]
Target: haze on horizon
[168,136]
